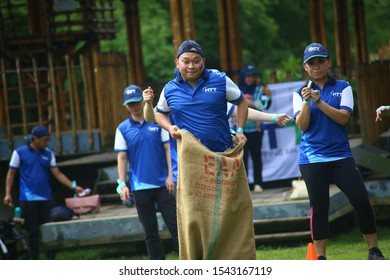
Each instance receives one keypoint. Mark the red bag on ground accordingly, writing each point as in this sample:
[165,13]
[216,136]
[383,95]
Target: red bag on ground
[89,204]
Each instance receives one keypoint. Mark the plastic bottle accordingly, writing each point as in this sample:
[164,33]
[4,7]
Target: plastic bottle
[18,212]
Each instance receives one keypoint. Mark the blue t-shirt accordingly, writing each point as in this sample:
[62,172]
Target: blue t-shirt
[325,140]
[33,168]
[202,110]
[144,144]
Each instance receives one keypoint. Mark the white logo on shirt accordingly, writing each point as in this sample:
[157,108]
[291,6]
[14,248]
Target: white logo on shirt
[45,158]
[338,94]
[153,128]
[210,89]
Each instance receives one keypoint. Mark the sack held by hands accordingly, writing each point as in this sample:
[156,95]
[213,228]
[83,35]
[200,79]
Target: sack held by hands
[89,204]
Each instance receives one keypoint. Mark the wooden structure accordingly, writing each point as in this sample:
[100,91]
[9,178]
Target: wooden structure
[52,73]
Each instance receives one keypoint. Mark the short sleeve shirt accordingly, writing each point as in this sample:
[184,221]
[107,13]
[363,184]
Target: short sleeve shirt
[325,140]
[33,167]
[144,144]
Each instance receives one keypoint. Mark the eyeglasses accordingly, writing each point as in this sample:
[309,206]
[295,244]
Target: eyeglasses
[314,61]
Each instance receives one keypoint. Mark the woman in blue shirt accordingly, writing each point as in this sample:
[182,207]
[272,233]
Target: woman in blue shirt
[322,109]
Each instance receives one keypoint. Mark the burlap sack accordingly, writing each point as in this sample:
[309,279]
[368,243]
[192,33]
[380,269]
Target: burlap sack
[214,205]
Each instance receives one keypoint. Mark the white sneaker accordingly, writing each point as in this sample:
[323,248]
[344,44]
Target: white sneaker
[257,188]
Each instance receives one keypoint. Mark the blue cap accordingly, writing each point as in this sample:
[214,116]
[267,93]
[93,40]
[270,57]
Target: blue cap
[189,46]
[314,50]
[248,70]
[38,131]
[132,93]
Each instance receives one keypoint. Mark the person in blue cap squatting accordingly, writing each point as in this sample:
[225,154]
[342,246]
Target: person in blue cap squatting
[146,146]
[33,161]
[322,109]
[197,99]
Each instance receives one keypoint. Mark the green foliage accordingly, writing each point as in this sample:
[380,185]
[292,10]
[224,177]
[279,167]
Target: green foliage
[273,34]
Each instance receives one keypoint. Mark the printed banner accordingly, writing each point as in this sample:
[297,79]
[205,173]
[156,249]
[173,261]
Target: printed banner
[280,150]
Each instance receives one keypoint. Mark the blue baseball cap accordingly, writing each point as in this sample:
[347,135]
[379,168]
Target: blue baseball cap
[132,93]
[189,46]
[248,70]
[38,131]
[314,50]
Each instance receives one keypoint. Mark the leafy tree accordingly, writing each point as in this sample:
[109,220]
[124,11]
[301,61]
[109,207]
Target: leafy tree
[273,34]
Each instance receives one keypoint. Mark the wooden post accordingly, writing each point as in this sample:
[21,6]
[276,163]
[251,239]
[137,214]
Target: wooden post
[188,20]
[230,41]
[76,94]
[182,22]
[86,101]
[5,99]
[22,99]
[37,90]
[55,102]
[234,39]
[137,72]
[361,55]
[223,49]
[317,22]
[71,103]
[176,24]
[343,58]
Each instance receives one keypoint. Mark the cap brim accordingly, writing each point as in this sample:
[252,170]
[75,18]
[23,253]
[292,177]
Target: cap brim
[313,56]
[132,101]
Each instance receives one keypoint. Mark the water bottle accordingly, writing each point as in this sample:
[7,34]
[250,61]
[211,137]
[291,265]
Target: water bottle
[18,212]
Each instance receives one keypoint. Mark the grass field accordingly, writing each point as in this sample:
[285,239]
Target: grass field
[342,246]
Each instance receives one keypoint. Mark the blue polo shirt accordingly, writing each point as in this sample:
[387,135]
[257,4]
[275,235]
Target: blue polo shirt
[144,144]
[33,167]
[202,110]
[325,140]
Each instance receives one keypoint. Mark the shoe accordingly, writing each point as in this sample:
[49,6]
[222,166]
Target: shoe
[257,188]
[321,258]
[375,254]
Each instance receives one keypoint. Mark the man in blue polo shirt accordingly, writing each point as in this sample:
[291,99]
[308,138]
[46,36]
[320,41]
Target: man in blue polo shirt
[33,161]
[146,146]
[197,99]
[253,115]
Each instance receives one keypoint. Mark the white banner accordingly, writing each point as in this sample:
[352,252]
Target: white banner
[280,150]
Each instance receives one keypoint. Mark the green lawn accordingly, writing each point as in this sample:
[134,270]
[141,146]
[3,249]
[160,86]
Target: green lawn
[343,246]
